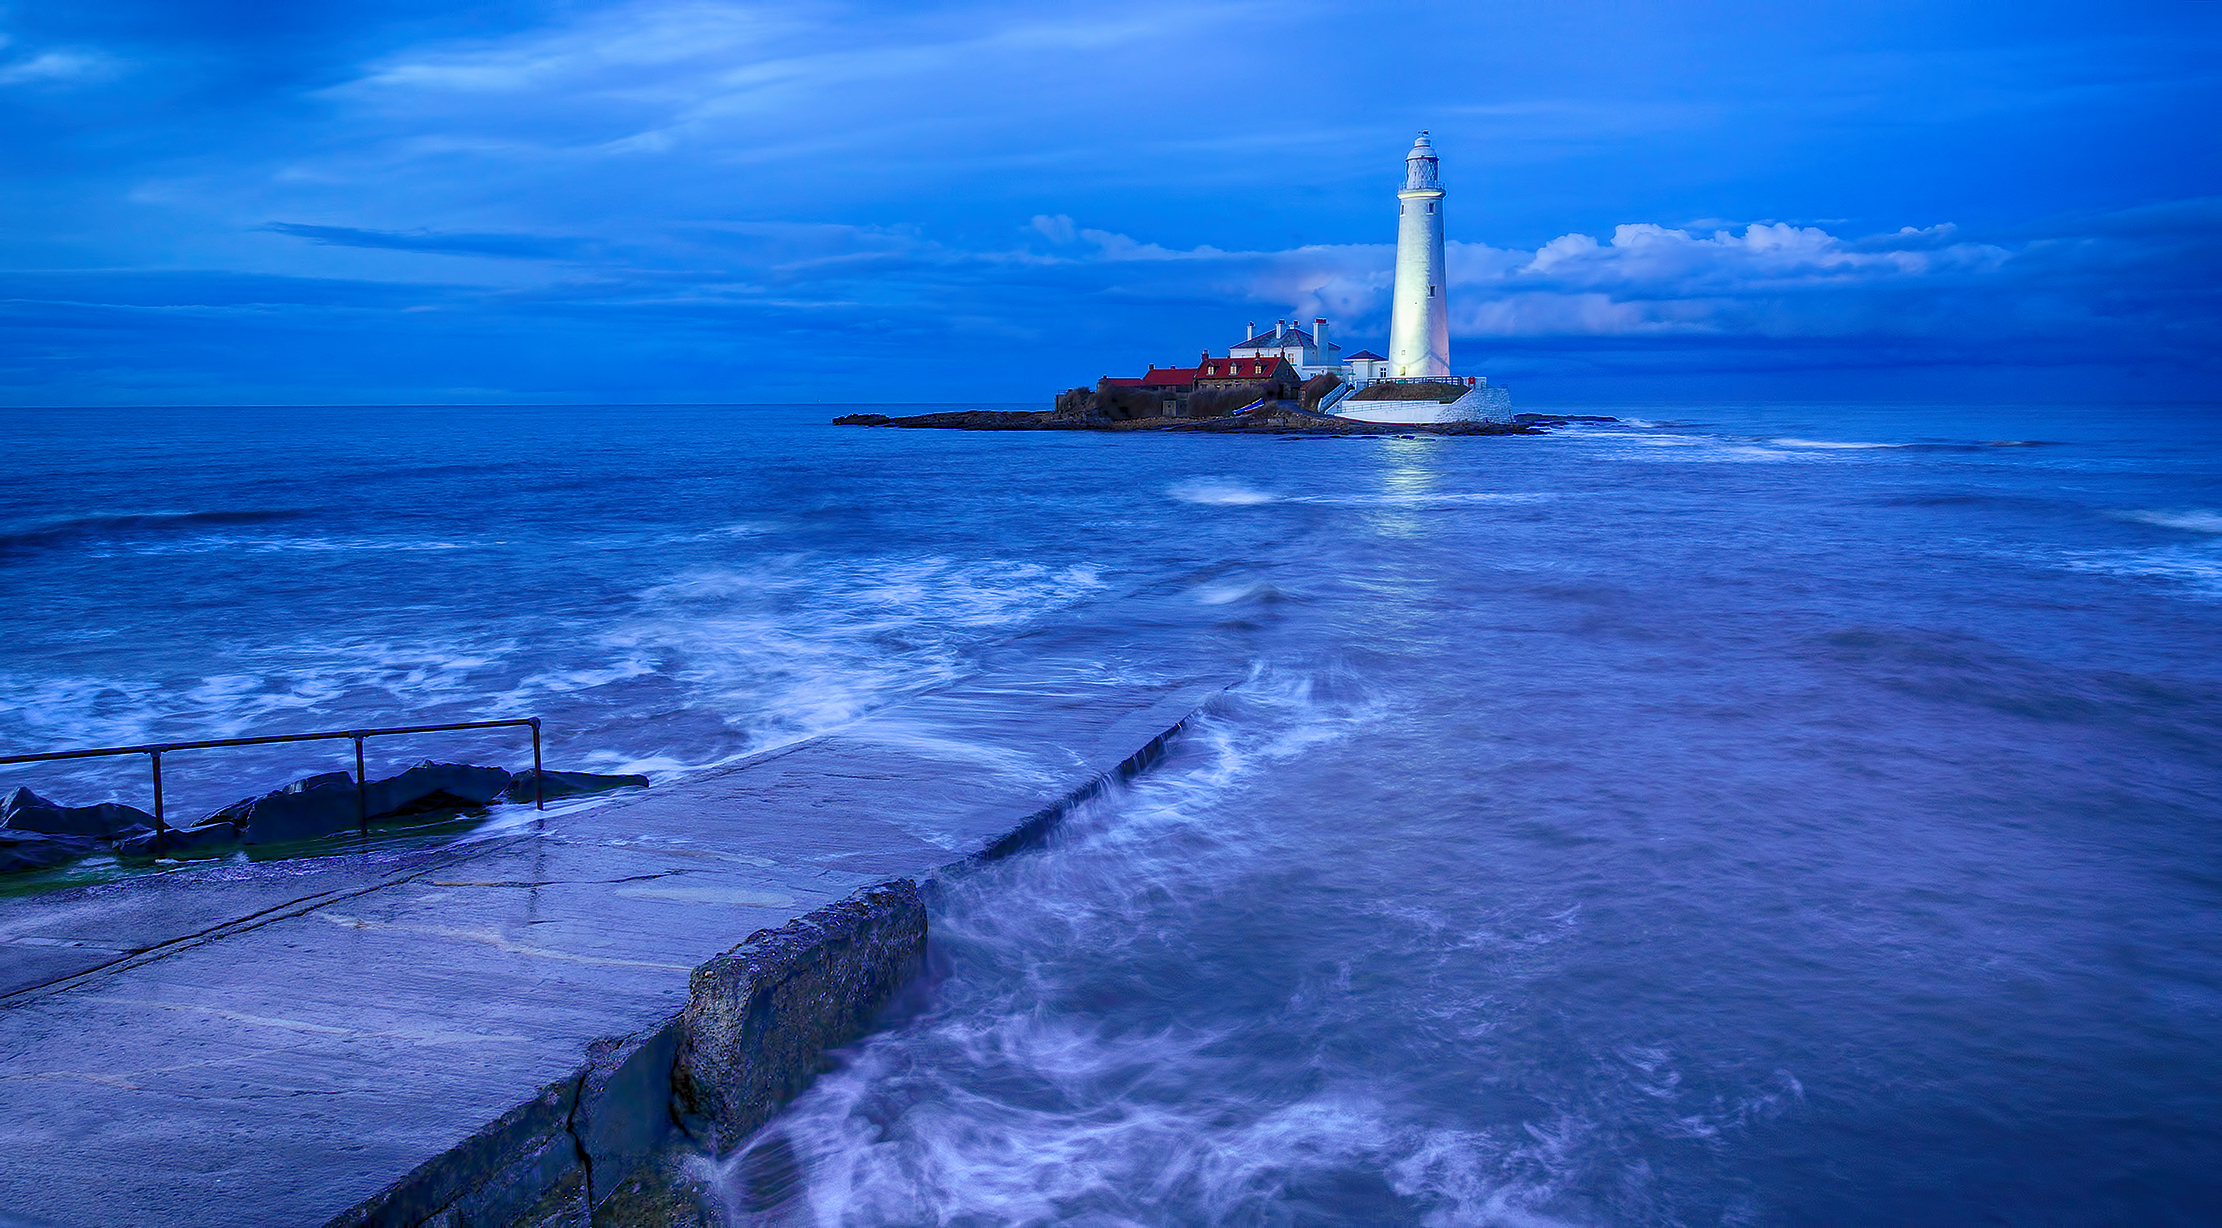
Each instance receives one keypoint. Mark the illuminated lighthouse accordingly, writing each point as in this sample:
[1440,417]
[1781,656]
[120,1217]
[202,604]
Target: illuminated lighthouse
[1419,325]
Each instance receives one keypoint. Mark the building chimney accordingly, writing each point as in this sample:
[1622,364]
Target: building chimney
[1319,336]
[1279,327]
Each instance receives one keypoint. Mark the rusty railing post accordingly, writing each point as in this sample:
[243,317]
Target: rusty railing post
[362,786]
[160,829]
[539,781]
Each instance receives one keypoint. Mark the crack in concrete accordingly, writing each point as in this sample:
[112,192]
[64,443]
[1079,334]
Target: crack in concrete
[578,1144]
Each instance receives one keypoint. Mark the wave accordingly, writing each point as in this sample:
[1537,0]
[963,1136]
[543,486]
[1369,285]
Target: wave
[2194,520]
[1425,499]
[62,532]
[1114,1033]
[1831,444]
[1227,492]
[708,666]
[227,543]
[1046,1080]
[2198,571]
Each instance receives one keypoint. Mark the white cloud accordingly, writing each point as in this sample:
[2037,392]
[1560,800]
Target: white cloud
[58,67]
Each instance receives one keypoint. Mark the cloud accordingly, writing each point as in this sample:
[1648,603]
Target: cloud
[507,246]
[2132,284]
[703,194]
[59,67]
[696,312]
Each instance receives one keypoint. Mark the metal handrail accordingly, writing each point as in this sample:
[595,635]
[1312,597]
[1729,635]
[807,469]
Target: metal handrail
[155,750]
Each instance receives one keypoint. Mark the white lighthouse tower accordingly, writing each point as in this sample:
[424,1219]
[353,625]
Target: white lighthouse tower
[1419,325]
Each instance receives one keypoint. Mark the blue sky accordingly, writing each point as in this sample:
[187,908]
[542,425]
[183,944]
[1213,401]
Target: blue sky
[241,201]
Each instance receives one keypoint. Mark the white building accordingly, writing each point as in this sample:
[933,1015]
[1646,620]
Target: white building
[1419,324]
[1366,366]
[1309,352]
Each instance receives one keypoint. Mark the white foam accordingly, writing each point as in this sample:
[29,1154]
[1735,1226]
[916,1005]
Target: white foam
[263,544]
[1424,499]
[1225,492]
[706,667]
[2197,569]
[1227,592]
[1831,444]
[2194,520]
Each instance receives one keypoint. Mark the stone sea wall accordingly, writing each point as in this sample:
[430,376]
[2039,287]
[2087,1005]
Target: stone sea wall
[628,1140]
[611,1144]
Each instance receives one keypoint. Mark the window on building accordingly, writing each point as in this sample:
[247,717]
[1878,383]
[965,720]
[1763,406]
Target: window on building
[1431,292]
[1431,206]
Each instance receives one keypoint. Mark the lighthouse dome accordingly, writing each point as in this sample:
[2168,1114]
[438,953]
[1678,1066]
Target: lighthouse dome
[1419,166]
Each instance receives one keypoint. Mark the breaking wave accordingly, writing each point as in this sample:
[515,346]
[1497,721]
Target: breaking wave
[2193,520]
[1230,492]
[707,666]
[1125,1029]
[83,528]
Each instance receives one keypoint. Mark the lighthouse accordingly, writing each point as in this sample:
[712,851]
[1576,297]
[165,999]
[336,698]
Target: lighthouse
[1419,326]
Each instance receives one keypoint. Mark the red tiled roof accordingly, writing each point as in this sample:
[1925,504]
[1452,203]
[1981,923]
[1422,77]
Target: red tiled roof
[1169,377]
[1241,368]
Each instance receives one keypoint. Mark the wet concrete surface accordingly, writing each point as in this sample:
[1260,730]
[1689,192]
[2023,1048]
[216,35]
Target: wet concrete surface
[274,1043]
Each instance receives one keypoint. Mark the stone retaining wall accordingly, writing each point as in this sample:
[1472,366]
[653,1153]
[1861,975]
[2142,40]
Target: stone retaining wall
[757,1021]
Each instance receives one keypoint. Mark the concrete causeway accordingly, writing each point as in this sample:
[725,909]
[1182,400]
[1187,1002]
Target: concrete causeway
[285,1043]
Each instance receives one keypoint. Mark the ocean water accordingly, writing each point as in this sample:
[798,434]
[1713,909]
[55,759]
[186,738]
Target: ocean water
[1728,815]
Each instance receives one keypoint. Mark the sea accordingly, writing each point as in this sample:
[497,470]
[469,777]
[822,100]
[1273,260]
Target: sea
[1718,814]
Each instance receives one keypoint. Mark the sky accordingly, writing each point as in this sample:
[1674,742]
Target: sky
[703,201]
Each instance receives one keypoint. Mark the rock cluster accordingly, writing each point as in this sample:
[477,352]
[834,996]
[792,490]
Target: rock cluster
[37,834]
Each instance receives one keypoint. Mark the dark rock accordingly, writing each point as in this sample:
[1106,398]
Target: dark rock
[566,784]
[325,805]
[430,786]
[23,810]
[962,419]
[308,808]
[211,839]
[325,783]
[1209,411]
[31,850]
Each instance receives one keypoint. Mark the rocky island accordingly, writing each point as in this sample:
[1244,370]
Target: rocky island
[1292,380]
[1281,419]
